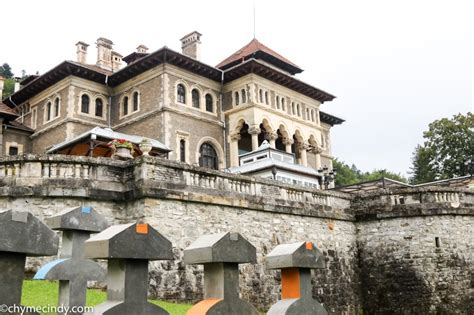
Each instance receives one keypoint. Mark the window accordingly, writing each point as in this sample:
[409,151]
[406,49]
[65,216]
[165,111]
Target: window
[56,107]
[236,94]
[85,103]
[209,103]
[293,108]
[266,98]
[208,156]
[135,101]
[260,94]
[278,102]
[312,114]
[298,110]
[13,150]
[48,111]
[283,104]
[195,98]
[34,115]
[125,106]
[181,93]
[182,150]
[99,107]
[244,96]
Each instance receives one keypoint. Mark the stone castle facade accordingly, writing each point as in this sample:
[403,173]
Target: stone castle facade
[205,115]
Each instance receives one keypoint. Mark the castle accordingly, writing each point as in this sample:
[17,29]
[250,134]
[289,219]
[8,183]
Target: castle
[201,114]
[389,249]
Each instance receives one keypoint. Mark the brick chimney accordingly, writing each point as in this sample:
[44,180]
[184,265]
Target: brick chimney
[81,52]
[191,45]
[104,53]
[2,80]
[116,61]
[142,49]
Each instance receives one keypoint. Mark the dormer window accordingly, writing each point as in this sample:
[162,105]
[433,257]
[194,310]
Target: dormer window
[181,93]
[85,101]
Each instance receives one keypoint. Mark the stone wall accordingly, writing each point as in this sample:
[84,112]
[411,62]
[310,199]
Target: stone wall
[381,248]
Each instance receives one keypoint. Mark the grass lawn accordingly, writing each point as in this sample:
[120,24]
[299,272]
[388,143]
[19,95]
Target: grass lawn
[44,293]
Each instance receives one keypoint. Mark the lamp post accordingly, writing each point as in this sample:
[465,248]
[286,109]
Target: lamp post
[328,176]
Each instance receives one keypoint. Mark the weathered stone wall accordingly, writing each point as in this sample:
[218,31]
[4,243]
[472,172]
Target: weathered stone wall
[380,248]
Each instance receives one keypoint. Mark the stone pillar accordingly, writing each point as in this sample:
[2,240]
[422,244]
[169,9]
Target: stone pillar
[21,235]
[318,150]
[254,131]
[296,261]
[72,269]
[303,147]
[272,136]
[221,255]
[234,149]
[288,142]
[128,248]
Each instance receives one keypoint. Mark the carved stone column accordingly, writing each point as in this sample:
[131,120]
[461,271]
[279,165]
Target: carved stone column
[254,131]
[272,136]
[234,149]
[318,150]
[287,142]
[303,147]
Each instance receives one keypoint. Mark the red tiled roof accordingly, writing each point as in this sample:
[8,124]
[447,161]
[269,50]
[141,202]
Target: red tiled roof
[251,48]
[4,109]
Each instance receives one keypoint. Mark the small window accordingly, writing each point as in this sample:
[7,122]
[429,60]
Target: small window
[312,115]
[136,99]
[293,108]
[437,241]
[13,150]
[283,107]
[56,107]
[208,156]
[182,150]
[181,93]
[195,98]
[125,106]
[99,107]
[244,96]
[34,114]
[298,112]
[209,103]
[236,95]
[85,103]
[278,102]
[48,111]
[266,98]
[260,94]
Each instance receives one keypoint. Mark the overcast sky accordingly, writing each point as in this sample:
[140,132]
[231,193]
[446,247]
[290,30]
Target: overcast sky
[394,66]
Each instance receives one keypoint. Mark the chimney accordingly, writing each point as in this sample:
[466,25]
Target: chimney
[142,49]
[116,61]
[1,88]
[191,45]
[104,53]
[81,52]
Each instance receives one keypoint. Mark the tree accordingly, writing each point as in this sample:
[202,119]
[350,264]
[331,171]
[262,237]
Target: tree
[449,143]
[348,175]
[8,87]
[6,71]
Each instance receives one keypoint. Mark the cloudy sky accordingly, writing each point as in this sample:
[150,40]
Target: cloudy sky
[394,66]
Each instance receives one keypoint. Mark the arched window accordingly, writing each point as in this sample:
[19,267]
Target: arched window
[182,150]
[298,112]
[209,103]
[85,100]
[56,107]
[260,95]
[278,102]
[136,100]
[196,98]
[99,107]
[266,98]
[48,111]
[208,156]
[181,93]
[125,106]
[312,115]
[244,96]
[236,95]
[293,108]
[283,107]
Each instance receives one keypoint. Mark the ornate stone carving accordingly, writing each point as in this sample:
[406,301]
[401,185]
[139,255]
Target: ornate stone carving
[272,136]
[287,141]
[254,130]
[235,136]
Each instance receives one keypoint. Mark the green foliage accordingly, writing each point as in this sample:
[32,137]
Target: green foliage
[8,87]
[6,71]
[44,293]
[348,175]
[449,143]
